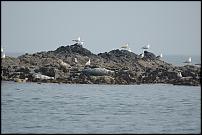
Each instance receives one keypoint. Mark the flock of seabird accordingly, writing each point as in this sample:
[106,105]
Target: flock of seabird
[125,46]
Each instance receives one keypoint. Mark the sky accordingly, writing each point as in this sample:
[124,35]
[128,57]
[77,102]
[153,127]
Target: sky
[171,28]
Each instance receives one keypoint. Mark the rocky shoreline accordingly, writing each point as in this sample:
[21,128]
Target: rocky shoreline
[113,67]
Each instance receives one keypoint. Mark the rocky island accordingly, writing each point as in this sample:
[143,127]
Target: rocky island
[76,64]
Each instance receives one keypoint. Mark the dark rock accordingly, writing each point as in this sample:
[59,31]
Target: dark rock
[149,55]
[49,71]
[73,49]
[102,79]
[25,70]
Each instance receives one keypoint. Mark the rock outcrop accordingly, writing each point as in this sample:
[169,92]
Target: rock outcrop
[113,67]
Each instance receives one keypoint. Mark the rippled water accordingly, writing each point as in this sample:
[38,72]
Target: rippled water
[67,108]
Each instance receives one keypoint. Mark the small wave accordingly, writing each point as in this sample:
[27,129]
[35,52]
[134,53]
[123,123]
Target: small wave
[26,101]
[63,119]
[80,114]
[54,113]
[187,103]
[62,102]
[33,126]
[28,111]
[35,98]
[43,102]
[83,97]
[57,97]
[10,101]
[143,113]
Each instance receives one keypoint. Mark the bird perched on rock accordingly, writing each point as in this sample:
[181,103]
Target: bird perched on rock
[2,53]
[75,60]
[79,41]
[146,47]
[159,56]
[88,63]
[142,55]
[179,74]
[188,61]
[125,46]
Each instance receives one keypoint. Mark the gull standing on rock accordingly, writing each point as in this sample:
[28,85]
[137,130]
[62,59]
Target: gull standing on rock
[79,41]
[125,46]
[75,60]
[88,63]
[179,74]
[188,61]
[146,47]
[142,55]
[159,56]
[3,55]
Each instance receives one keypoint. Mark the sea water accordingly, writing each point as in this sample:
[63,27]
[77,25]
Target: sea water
[83,108]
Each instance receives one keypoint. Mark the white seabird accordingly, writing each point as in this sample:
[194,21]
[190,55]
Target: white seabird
[79,41]
[3,55]
[159,56]
[179,74]
[125,46]
[142,55]
[146,47]
[129,50]
[75,60]
[188,61]
[88,63]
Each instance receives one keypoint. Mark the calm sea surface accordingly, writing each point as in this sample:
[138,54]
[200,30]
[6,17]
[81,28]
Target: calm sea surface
[80,108]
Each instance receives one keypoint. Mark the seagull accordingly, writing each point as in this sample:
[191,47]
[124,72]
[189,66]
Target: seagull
[179,74]
[88,63]
[125,46]
[79,41]
[146,47]
[188,61]
[75,60]
[142,55]
[3,55]
[159,56]
[129,50]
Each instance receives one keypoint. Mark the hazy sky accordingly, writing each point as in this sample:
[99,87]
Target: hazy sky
[169,27]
